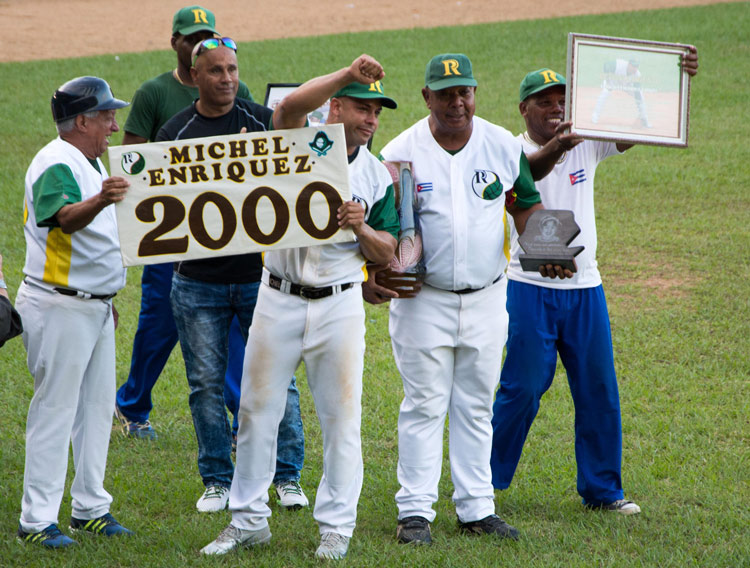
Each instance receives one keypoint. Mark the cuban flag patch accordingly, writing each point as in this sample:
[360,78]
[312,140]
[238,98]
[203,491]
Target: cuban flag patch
[577,177]
[424,187]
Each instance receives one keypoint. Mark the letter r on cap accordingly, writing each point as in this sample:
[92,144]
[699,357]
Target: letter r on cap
[451,67]
[550,76]
[200,16]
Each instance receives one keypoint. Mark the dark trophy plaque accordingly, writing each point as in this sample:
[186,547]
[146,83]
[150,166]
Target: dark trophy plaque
[546,238]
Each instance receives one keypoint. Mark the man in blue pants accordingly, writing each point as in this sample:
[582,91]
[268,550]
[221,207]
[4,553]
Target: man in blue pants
[567,316]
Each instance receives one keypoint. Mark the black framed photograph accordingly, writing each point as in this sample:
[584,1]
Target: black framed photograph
[627,90]
[275,92]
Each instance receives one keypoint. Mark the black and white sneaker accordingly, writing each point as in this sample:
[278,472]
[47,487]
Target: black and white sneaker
[414,530]
[622,506]
[492,525]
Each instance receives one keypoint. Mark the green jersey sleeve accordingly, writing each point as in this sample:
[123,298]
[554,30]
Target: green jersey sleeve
[55,188]
[383,216]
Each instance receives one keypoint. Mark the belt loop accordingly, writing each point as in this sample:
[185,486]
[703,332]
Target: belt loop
[285,286]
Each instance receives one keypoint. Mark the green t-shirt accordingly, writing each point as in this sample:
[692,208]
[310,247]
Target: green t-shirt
[159,99]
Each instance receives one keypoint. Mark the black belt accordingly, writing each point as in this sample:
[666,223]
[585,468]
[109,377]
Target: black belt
[307,292]
[470,290]
[84,295]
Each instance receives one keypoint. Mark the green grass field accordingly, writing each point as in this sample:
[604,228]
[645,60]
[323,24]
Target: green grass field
[673,249]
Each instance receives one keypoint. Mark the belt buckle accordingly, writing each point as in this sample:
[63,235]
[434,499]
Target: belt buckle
[309,293]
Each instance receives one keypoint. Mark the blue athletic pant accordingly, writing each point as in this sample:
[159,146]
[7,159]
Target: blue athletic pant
[575,324]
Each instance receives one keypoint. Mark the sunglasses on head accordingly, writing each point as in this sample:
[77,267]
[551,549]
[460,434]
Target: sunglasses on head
[213,43]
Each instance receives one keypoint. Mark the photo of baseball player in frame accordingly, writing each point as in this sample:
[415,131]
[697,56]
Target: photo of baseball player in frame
[627,90]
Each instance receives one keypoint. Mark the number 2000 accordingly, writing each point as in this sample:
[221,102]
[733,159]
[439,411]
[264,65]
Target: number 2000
[154,244]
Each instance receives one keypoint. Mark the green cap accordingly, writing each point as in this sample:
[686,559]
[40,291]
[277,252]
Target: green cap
[193,19]
[362,91]
[540,80]
[449,70]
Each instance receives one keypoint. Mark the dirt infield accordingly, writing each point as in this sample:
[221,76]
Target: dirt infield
[76,28]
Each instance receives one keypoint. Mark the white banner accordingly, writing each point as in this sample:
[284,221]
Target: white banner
[233,194]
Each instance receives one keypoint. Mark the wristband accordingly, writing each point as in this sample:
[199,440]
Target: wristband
[3,284]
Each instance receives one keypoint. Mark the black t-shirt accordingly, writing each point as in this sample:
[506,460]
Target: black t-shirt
[189,123]
[10,321]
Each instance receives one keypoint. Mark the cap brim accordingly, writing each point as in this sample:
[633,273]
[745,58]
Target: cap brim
[387,102]
[197,28]
[452,82]
[111,105]
[541,88]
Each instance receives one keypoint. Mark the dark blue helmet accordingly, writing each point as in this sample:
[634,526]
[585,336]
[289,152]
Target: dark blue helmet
[83,94]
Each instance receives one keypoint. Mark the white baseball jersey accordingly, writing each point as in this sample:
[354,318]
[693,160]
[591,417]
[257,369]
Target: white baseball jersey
[461,200]
[339,263]
[569,186]
[89,259]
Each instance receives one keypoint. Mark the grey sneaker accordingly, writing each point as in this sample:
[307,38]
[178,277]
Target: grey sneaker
[622,506]
[215,498]
[333,546]
[492,525]
[232,537]
[133,429]
[414,530]
[291,496]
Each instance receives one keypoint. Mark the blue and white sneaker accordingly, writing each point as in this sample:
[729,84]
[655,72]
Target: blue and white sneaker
[105,525]
[133,429]
[50,537]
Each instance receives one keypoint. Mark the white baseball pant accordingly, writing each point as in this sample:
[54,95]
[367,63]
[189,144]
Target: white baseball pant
[329,336]
[70,346]
[448,349]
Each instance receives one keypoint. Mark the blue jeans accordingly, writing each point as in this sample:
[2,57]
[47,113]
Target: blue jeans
[154,340]
[203,312]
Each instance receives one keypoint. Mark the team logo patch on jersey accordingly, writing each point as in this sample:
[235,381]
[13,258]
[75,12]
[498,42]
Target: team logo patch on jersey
[424,187]
[362,202]
[577,177]
[132,163]
[321,144]
[486,184]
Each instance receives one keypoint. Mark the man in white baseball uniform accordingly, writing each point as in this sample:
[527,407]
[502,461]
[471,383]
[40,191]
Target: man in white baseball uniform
[447,341]
[622,75]
[310,309]
[568,317]
[73,270]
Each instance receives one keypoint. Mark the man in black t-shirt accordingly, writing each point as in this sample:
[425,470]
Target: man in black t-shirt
[207,293]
